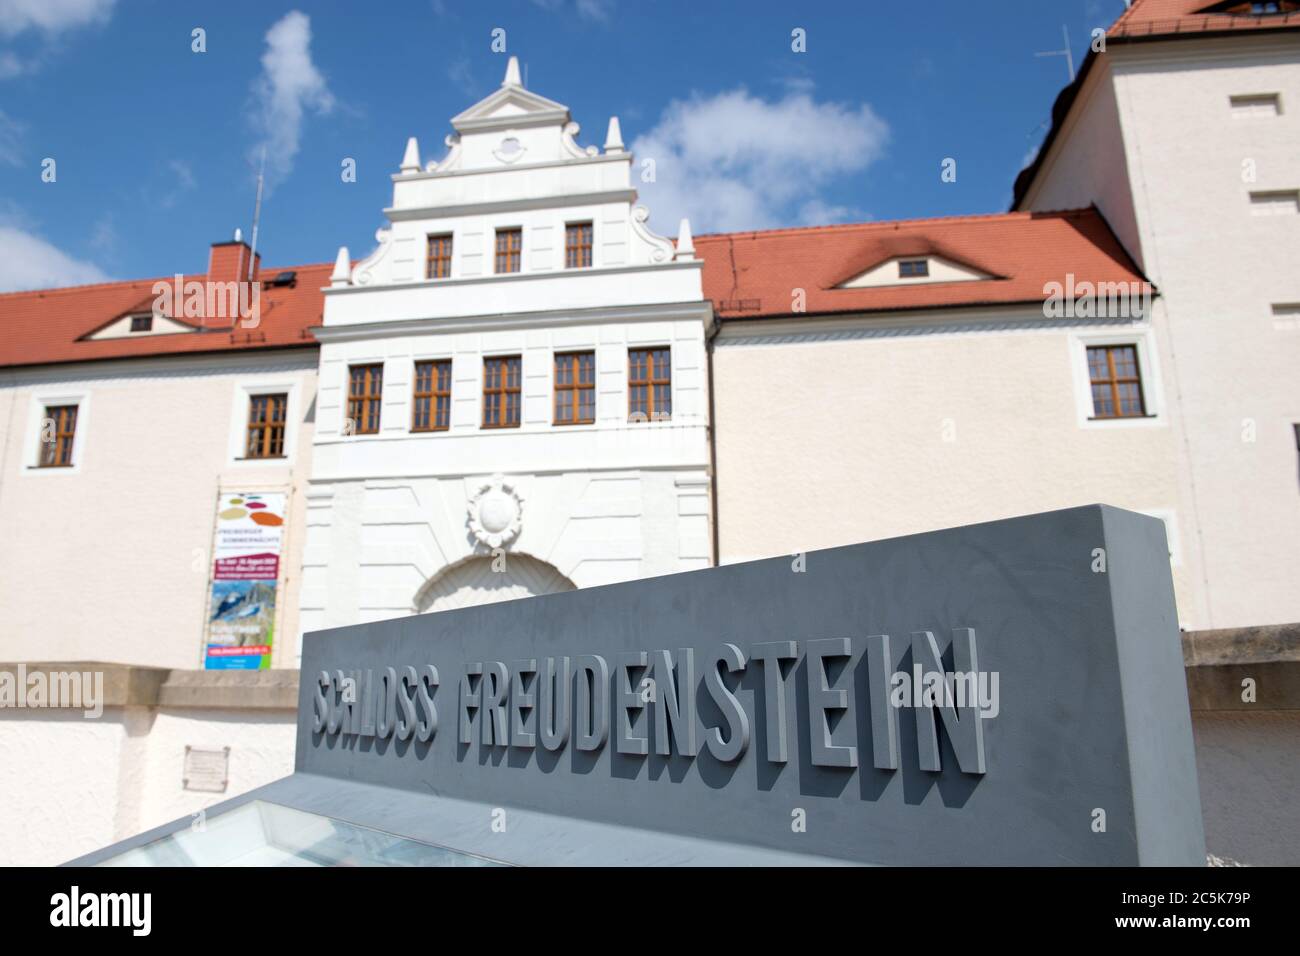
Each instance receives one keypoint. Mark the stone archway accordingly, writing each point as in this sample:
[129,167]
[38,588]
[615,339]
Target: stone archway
[473,581]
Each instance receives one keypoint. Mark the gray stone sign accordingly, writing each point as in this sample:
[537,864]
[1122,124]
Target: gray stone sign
[1004,693]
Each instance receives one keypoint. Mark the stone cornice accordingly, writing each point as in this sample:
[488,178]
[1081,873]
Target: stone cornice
[510,205]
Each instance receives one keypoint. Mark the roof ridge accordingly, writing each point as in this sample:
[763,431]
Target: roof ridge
[124,283]
[1128,12]
[882,223]
[115,283]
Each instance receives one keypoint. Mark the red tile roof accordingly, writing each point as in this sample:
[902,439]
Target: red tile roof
[48,325]
[746,275]
[751,275]
[1166,18]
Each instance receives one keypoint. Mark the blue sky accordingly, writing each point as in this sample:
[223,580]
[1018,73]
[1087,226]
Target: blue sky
[153,142]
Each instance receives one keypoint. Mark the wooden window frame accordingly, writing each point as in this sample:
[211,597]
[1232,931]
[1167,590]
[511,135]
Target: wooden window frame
[438,399]
[436,264]
[649,382]
[58,453]
[570,393]
[924,272]
[1114,381]
[498,397]
[372,396]
[260,437]
[515,253]
[146,327]
[576,251]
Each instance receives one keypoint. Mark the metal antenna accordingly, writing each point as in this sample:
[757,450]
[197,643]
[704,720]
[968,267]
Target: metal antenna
[1069,57]
[257,214]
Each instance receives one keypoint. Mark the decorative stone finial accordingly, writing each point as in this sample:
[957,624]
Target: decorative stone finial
[342,274]
[512,73]
[614,138]
[411,158]
[685,245]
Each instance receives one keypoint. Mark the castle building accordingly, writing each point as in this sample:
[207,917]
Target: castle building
[524,389]
[513,395]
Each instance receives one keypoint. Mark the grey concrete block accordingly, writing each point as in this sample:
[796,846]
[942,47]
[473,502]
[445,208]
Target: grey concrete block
[1092,721]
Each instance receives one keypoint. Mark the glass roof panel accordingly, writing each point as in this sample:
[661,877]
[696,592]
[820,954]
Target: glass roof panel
[268,834]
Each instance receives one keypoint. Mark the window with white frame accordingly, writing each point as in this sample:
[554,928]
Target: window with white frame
[263,429]
[1116,379]
[56,432]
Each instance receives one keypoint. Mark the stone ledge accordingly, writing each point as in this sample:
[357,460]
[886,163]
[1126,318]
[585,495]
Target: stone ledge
[125,685]
[1242,645]
[233,690]
[1220,686]
[131,685]
[1216,664]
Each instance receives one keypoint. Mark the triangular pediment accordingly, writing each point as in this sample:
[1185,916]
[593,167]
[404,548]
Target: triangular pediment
[918,269]
[138,322]
[511,106]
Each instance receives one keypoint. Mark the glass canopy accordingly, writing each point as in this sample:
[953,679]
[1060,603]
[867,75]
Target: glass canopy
[268,834]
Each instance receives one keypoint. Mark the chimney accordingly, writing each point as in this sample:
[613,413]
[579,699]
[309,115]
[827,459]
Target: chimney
[228,262]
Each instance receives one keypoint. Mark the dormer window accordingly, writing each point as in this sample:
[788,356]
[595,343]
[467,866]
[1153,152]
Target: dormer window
[913,268]
[142,323]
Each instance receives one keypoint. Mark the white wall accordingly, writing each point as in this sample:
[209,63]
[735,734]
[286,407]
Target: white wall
[110,559]
[1221,268]
[1191,162]
[71,785]
[603,502]
[830,433]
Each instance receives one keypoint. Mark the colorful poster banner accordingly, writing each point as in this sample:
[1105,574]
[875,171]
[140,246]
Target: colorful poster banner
[245,576]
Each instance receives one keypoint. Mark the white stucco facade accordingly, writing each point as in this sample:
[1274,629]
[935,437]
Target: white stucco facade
[1190,149]
[393,515]
[919,421]
[110,558]
[69,785]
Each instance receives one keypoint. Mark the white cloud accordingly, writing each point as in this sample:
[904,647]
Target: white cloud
[103,235]
[460,74]
[288,87]
[184,174]
[595,9]
[587,9]
[735,161]
[51,16]
[11,137]
[29,262]
[48,20]
[815,212]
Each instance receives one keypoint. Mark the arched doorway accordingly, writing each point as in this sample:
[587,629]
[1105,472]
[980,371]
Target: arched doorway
[473,581]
